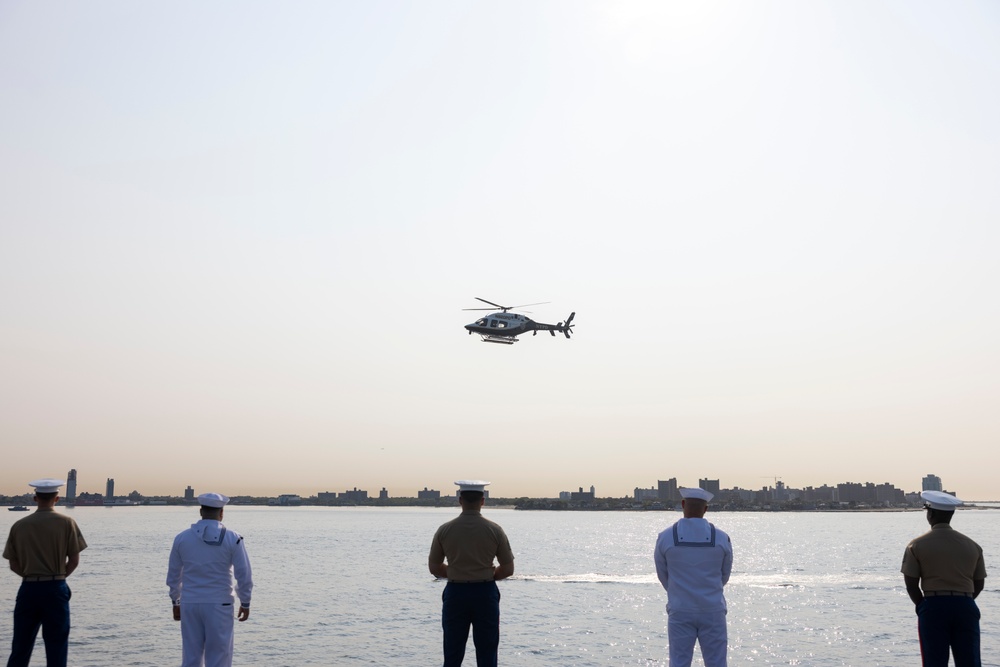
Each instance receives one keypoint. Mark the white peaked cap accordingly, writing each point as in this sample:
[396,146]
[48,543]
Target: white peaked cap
[939,500]
[471,485]
[216,500]
[47,485]
[696,494]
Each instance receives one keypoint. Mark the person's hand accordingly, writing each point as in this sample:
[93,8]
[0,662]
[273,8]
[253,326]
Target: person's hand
[177,612]
[243,614]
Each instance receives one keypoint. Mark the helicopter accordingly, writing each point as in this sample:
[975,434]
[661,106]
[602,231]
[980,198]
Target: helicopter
[504,327]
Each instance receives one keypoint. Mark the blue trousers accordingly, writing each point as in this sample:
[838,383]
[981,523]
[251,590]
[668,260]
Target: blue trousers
[945,623]
[45,605]
[476,605]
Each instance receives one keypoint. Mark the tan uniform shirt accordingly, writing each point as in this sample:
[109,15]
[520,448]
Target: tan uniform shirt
[471,542]
[944,560]
[42,541]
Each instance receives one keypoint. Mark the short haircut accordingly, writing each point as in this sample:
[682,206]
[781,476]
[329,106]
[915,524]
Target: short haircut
[205,509]
[47,496]
[944,516]
[471,496]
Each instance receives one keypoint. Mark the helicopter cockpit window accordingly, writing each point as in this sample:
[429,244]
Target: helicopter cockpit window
[501,324]
[481,323]
[493,323]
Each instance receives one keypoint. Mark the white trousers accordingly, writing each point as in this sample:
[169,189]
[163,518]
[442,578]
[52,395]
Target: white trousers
[708,628]
[207,634]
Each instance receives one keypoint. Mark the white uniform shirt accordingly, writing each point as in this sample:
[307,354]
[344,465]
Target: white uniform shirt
[203,560]
[693,562]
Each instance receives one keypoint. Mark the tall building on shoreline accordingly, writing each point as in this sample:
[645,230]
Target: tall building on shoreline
[109,490]
[932,483]
[71,487]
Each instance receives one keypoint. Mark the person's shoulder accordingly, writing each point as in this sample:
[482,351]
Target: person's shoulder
[183,534]
[667,532]
[64,518]
[721,534]
[965,538]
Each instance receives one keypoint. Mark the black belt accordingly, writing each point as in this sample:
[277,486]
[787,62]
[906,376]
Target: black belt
[54,577]
[934,594]
[477,581]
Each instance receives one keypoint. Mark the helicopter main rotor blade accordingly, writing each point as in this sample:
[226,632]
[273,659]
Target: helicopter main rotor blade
[495,305]
[540,303]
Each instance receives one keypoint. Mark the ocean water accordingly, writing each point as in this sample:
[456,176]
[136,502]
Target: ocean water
[349,586]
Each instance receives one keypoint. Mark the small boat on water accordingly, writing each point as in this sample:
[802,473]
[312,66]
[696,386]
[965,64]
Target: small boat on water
[17,508]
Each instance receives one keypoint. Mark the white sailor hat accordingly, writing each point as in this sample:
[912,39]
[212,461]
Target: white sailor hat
[47,485]
[216,500]
[696,494]
[471,485]
[939,500]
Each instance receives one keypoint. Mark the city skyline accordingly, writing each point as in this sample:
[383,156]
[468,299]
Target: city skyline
[928,481]
[240,258]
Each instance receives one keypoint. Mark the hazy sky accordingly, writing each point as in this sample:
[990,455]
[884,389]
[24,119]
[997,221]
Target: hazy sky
[236,239]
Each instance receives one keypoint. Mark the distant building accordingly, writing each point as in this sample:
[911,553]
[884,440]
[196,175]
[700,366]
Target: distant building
[383,494]
[710,485]
[109,489]
[887,494]
[565,495]
[189,494]
[582,496]
[326,496]
[668,489]
[354,496]
[821,494]
[85,499]
[932,483]
[71,487]
[428,494]
[288,500]
[646,494]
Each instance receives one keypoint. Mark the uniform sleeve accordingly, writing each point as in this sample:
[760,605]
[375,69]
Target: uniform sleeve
[980,567]
[660,560]
[174,572]
[437,549]
[76,543]
[505,555]
[8,549]
[911,566]
[241,570]
[727,560]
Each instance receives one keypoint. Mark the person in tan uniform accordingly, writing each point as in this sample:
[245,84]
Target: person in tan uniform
[470,543]
[43,549]
[944,572]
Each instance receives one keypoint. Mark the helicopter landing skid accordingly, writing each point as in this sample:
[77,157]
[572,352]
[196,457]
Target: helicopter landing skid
[503,340]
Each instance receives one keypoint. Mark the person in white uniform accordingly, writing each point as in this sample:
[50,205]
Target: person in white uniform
[203,562]
[693,562]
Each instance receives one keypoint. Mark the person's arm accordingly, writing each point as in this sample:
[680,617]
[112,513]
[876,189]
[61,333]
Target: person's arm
[438,569]
[244,579]
[503,571]
[174,572]
[15,567]
[660,559]
[71,563]
[977,587]
[727,563]
[913,589]
[435,559]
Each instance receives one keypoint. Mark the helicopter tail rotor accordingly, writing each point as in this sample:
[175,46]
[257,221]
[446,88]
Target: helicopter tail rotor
[567,326]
